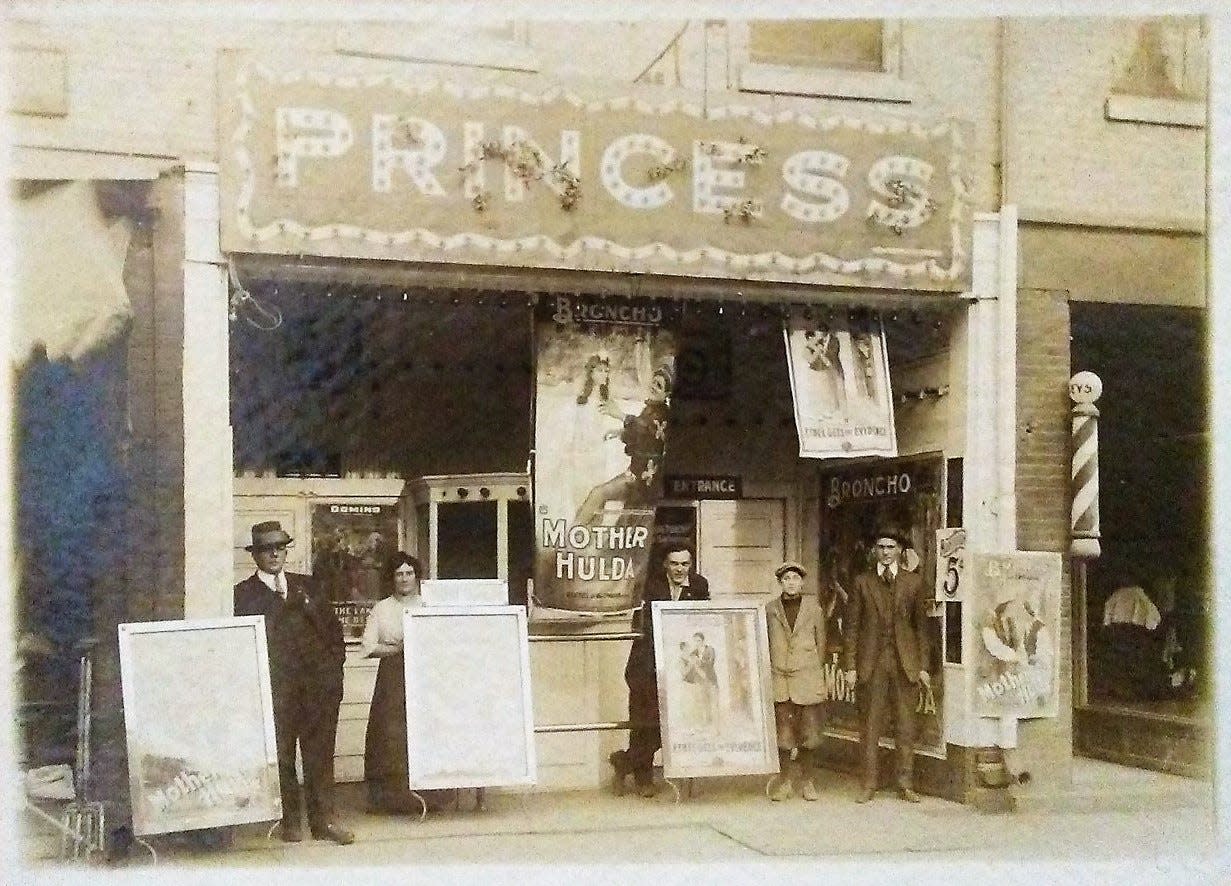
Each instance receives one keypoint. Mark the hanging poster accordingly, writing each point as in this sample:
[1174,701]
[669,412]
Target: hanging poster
[1017,617]
[198,718]
[469,719]
[715,702]
[950,563]
[351,544]
[605,375]
[906,494]
[839,371]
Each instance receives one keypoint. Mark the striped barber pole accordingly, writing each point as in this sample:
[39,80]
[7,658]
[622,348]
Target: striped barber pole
[1084,389]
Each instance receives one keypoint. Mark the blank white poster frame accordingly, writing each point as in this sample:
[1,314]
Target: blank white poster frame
[465,592]
[199,724]
[469,714]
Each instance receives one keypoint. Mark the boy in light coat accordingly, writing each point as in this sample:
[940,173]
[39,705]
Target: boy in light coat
[797,637]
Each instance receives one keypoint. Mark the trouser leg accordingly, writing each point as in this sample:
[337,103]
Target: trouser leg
[317,741]
[644,737]
[286,734]
[905,695]
[873,698]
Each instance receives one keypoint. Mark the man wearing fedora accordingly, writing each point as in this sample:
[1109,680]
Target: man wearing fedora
[884,654]
[306,652]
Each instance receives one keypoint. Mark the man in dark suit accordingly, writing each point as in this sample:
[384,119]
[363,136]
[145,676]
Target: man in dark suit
[306,652]
[884,647]
[672,579]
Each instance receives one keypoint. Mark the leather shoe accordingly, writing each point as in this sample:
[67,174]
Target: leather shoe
[865,795]
[619,763]
[292,831]
[332,831]
[908,795]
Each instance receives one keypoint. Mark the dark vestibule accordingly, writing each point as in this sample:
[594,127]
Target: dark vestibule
[1149,596]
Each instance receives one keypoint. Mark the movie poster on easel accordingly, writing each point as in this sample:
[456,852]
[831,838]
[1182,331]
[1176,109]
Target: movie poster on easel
[605,372]
[839,372]
[198,720]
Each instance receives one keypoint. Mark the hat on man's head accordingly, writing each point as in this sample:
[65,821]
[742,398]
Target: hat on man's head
[790,566]
[890,532]
[269,532]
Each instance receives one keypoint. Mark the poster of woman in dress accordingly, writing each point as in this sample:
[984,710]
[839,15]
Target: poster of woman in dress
[604,377]
[839,371]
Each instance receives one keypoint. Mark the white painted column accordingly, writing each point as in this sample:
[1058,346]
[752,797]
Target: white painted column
[208,471]
[989,510]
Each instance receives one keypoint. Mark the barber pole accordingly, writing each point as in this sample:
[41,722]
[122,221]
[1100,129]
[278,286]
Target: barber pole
[1084,389]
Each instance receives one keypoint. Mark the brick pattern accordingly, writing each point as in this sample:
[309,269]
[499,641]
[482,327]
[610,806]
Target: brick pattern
[1042,478]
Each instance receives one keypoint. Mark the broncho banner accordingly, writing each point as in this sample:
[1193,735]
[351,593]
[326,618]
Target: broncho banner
[604,377]
[839,372]
[906,494]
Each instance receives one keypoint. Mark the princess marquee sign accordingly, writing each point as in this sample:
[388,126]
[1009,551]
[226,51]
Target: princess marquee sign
[427,169]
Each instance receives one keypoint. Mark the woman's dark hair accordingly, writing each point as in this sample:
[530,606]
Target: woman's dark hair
[401,558]
[587,386]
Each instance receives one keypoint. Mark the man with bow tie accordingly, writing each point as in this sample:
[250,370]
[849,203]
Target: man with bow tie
[306,653]
[884,654]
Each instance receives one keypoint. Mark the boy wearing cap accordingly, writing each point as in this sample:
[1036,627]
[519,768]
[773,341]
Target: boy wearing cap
[797,635]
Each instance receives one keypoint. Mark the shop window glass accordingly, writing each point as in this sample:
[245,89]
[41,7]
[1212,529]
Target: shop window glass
[466,539]
[1148,597]
[521,550]
[853,45]
[1168,60]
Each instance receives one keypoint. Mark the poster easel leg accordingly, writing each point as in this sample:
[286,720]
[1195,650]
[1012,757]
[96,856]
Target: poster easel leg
[422,805]
[149,847]
[674,787]
[480,799]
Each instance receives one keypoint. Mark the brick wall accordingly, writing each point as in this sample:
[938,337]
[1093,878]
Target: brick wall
[1046,746]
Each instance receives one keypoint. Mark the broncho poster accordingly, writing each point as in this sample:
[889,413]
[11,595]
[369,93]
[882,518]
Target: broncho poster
[906,494]
[839,371]
[1018,614]
[605,372]
[351,545]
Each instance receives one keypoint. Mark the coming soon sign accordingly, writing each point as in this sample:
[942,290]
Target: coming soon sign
[428,169]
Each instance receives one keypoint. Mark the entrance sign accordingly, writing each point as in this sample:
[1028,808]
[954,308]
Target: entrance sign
[420,168]
[715,702]
[469,720]
[199,723]
[1018,617]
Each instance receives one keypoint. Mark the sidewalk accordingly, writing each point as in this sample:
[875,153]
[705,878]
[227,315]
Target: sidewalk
[1111,814]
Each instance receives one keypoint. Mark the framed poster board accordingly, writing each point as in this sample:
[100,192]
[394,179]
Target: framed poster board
[199,723]
[908,494]
[469,719]
[1018,618]
[715,702]
[351,544]
[465,592]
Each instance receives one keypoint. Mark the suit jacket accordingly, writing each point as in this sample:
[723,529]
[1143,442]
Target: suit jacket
[253,597]
[641,655]
[797,655]
[871,604]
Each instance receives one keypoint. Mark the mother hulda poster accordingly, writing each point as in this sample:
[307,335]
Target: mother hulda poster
[604,378]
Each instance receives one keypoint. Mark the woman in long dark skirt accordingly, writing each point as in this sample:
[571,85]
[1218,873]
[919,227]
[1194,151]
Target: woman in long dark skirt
[384,755]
